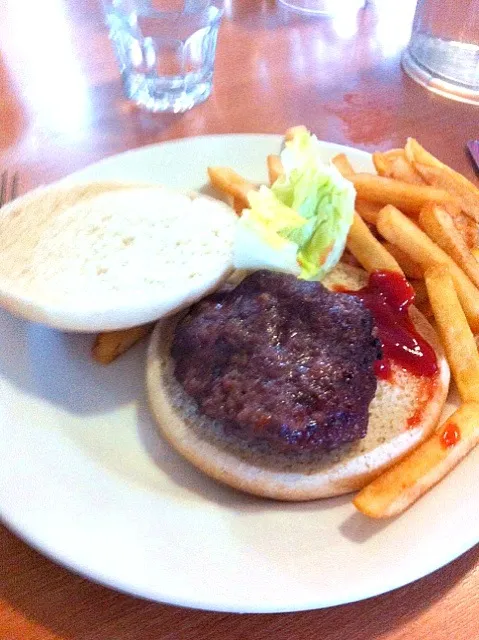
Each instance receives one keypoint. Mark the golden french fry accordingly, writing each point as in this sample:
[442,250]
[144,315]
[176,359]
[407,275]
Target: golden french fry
[383,160]
[368,210]
[381,164]
[467,227]
[439,226]
[394,164]
[292,132]
[440,178]
[394,153]
[404,233]
[238,205]
[111,344]
[400,169]
[410,198]
[455,181]
[416,153]
[342,164]
[367,249]
[475,252]
[401,485]
[228,181]
[411,269]
[456,336]
[275,168]
[455,211]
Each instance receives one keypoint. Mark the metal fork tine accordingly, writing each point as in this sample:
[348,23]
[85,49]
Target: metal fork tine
[14,187]
[3,188]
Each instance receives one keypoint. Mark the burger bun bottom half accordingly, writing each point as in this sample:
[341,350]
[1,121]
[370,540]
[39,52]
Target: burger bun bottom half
[403,412]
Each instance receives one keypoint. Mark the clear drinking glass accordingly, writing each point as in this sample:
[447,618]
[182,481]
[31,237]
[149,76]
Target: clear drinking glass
[443,53]
[166,50]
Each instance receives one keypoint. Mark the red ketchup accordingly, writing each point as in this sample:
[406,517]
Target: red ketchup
[450,436]
[388,296]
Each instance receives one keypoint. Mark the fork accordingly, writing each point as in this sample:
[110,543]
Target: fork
[8,188]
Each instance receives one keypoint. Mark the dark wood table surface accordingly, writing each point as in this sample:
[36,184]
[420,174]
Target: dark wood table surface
[61,108]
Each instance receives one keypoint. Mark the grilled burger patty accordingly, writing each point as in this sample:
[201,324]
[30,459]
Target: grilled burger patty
[282,363]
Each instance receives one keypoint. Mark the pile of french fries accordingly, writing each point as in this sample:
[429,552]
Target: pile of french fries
[418,217]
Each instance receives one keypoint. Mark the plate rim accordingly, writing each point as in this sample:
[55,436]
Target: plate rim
[206,605]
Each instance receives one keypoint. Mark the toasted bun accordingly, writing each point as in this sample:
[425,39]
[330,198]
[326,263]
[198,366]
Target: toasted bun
[402,414]
[109,255]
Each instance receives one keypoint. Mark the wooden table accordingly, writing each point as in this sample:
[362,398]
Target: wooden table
[61,107]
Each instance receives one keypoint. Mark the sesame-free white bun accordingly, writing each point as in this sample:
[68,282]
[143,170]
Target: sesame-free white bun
[105,255]
[402,414]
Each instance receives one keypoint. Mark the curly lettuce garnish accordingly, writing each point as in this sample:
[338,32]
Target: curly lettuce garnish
[301,223]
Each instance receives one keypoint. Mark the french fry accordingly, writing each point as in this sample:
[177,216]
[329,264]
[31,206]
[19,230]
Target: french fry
[109,345]
[292,132]
[401,485]
[404,233]
[416,153]
[410,268]
[368,210]
[409,198]
[467,227]
[342,164]
[475,253]
[439,226]
[394,153]
[275,168]
[382,161]
[367,249]
[456,336]
[228,181]
[238,205]
[440,178]
[401,170]
[394,164]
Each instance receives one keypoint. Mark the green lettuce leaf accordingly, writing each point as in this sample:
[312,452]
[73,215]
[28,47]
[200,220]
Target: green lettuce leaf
[300,225]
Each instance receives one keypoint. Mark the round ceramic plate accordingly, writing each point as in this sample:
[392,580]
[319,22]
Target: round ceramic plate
[86,479]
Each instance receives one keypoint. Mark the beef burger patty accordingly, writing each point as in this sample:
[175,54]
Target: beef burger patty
[282,363]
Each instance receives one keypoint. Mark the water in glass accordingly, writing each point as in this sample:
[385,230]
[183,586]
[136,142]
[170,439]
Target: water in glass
[166,56]
[443,53]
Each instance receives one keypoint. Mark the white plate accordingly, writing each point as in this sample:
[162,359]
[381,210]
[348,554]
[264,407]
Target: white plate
[85,478]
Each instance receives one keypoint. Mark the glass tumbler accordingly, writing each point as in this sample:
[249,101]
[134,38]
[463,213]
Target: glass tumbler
[443,53]
[165,49]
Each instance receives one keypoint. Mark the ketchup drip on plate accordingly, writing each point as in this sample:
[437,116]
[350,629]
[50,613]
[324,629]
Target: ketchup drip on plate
[450,436]
[388,296]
